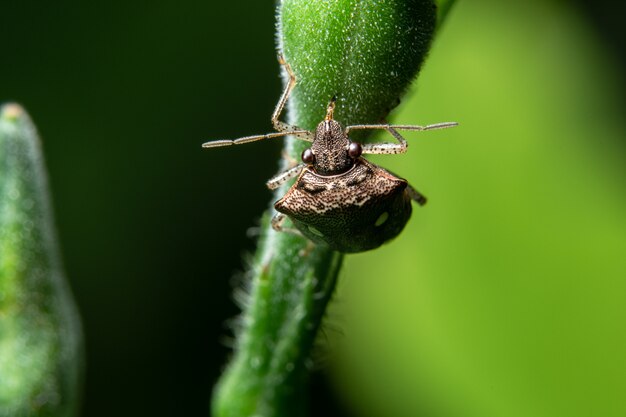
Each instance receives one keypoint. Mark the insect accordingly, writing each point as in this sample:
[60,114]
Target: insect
[339,198]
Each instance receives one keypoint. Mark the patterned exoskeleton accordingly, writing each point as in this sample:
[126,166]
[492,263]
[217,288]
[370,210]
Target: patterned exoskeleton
[339,198]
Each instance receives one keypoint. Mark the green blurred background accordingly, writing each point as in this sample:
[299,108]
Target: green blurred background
[504,296]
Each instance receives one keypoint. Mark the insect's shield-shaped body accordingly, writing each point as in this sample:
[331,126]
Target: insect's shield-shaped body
[355,211]
[339,198]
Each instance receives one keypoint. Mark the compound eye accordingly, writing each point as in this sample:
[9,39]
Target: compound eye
[308,157]
[354,150]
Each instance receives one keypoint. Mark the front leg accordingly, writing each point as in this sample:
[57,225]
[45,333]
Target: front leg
[278,124]
[394,148]
[279,179]
[387,148]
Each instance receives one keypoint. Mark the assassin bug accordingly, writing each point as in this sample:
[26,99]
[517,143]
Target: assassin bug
[339,198]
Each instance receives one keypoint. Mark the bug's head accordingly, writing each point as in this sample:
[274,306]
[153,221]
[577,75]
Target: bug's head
[332,152]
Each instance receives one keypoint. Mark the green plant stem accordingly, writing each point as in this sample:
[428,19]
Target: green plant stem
[40,336]
[291,285]
[443,8]
[367,53]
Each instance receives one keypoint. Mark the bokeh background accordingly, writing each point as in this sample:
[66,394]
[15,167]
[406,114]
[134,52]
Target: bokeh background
[504,296]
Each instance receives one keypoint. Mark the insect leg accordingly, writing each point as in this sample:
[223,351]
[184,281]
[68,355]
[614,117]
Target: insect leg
[435,126]
[278,124]
[283,128]
[277,224]
[387,148]
[415,195]
[394,148]
[279,179]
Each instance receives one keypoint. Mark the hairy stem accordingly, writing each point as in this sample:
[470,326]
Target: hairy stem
[366,52]
[40,336]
